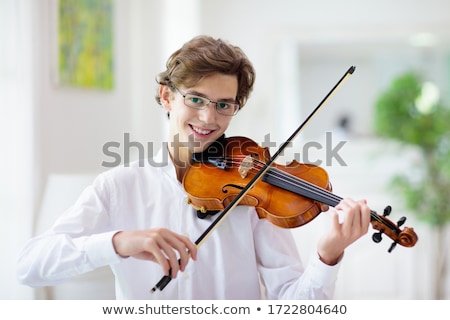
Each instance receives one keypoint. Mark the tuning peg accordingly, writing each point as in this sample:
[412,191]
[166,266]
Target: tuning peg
[377,237]
[387,211]
[393,245]
[401,221]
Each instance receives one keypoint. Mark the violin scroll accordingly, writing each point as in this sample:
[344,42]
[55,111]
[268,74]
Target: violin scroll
[406,237]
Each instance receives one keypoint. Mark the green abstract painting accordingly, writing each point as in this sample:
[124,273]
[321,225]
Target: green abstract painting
[85,43]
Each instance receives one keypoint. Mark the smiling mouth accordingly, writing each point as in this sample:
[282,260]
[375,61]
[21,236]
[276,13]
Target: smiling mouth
[203,132]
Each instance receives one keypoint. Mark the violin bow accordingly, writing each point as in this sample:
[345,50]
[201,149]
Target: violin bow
[224,213]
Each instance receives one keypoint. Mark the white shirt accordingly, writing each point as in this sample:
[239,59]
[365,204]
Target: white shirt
[244,258]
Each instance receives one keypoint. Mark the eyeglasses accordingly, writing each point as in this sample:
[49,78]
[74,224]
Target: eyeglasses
[201,103]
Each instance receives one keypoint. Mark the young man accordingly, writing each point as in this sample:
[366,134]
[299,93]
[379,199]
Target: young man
[136,219]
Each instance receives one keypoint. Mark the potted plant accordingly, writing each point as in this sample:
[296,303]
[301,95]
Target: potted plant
[410,112]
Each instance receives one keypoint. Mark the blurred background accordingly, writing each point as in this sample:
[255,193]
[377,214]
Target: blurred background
[76,76]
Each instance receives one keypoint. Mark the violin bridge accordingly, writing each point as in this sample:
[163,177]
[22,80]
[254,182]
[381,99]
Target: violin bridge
[246,166]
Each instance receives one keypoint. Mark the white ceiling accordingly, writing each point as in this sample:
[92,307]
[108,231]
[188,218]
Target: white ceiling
[338,21]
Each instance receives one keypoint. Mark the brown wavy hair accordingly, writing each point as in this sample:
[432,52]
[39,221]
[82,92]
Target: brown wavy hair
[202,56]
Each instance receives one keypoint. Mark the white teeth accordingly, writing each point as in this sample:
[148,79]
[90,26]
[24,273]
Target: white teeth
[201,131]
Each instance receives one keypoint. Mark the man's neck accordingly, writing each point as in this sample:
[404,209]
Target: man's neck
[181,160]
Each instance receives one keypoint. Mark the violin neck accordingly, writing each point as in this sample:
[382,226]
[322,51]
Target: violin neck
[311,191]
[302,188]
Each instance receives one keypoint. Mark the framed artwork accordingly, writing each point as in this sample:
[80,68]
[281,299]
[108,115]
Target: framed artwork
[84,41]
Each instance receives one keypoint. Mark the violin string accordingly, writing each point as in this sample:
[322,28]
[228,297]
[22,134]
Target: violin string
[298,182]
[305,185]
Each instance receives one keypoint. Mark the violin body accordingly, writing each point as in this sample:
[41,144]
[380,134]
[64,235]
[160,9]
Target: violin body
[210,188]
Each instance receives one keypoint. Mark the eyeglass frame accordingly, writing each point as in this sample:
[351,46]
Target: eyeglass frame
[204,107]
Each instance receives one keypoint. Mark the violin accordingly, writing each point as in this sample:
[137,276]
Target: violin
[288,196]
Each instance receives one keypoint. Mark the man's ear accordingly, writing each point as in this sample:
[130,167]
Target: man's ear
[165,96]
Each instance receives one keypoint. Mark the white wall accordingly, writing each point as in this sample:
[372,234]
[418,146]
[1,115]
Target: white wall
[17,128]
[74,124]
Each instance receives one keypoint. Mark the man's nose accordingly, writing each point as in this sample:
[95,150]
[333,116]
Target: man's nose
[208,115]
